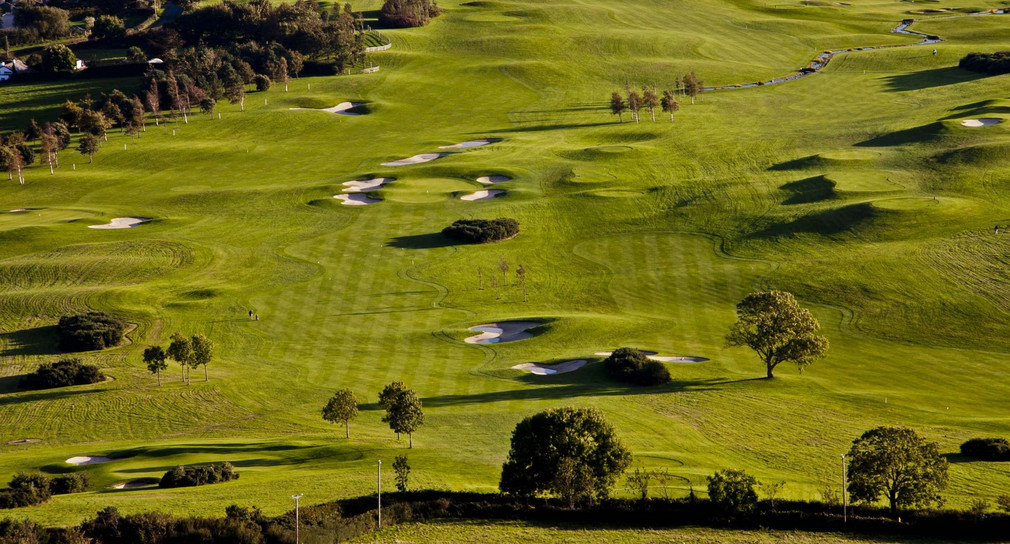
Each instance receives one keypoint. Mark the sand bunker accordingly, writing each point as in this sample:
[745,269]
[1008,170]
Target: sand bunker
[121,223]
[356,199]
[482,195]
[131,485]
[506,331]
[340,109]
[18,210]
[86,460]
[547,370]
[488,180]
[661,358]
[416,159]
[361,186]
[471,143]
[981,122]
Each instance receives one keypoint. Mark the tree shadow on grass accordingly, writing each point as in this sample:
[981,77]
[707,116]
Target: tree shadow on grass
[431,240]
[805,191]
[925,79]
[826,223]
[546,127]
[920,134]
[34,341]
[47,395]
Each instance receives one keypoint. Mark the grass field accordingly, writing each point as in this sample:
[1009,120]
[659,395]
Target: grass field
[855,188]
[496,532]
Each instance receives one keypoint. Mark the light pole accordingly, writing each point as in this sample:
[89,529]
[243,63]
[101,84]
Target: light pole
[296,497]
[378,486]
[845,500]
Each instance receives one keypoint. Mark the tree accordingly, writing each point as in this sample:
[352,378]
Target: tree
[774,325]
[692,86]
[155,357]
[404,414]
[547,442]
[650,100]
[732,490]
[236,94]
[503,265]
[634,104]
[389,393]
[48,144]
[136,54]
[207,105]
[573,482]
[618,106]
[280,72]
[342,408]
[152,99]
[900,465]
[180,350]
[262,82]
[639,481]
[669,103]
[402,470]
[202,353]
[95,123]
[58,58]
[109,26]
[10,160]
[89,145]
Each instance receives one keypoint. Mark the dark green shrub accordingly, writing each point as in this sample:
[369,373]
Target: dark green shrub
[25,490]
[408,13]
[262,82]
[482,231]
[987,63]
[633,366]
[75,482]
[62,374]
[90,331]
[183,476]
[733,491]
[988,449]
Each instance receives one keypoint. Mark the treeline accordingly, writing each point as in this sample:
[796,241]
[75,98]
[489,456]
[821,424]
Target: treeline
[191,476]
[30,489]
[987,63]
[650,98]
[63,373]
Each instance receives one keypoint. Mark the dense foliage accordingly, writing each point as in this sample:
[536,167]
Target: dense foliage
[778,329]
[481,231]
[733,491]
[566,451]
[408,13]
[90,331]
[632,365]
[190,476]
[62,374]
[988,449]
[29,489]
[898,464]
[987,63]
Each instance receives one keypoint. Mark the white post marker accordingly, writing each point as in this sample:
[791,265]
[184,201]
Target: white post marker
[296,497]
[379,489]
[845,502]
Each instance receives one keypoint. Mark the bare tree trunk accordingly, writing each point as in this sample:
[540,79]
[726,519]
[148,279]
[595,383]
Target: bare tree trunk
[410,438]
[205,377]
[159,378]
[347,430]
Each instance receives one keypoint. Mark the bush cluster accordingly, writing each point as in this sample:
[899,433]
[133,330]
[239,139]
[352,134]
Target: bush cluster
[62,374]
[631,365]
[987,63]
[30,489]
[989,449]
[408,13]
[482,231]
[183,476]
[90,331]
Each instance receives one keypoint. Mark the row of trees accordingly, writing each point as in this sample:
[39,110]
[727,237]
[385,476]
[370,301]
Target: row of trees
[188,352]
[404,412]
[650,98]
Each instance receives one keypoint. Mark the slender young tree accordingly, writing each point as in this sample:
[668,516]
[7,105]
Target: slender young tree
[202,353]
[152,99]
[402,470]
[172,91]
[503,265]
[650,100]
[405,415]
[155,357]
[89,145]
[388,395]
[635,105]
[342,408]
[236,94]
[692,86]
[180,350]
[669,103]
[10,160]
[618,106]
[48,144]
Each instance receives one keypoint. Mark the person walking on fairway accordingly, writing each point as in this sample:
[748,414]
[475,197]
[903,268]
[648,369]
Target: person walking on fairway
[250,314]
[934,52]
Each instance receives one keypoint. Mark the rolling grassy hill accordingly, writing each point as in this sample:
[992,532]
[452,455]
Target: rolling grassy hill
[856,188]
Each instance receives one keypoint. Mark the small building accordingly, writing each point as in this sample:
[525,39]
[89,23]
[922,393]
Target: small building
[5,73]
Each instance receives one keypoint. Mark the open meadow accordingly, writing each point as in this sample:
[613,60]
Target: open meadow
[856,188]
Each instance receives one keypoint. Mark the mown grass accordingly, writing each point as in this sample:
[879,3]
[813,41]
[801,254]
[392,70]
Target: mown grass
[856,188]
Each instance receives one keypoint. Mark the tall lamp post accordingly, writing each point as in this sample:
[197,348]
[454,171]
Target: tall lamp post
[845,500]
[296,497]
[378,487]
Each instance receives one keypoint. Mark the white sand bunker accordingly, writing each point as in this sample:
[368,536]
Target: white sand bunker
[506,331]
[356,199]
[340,109]
[416,159]
[363,185]
[130,485]
[652,355]
[87,460]
[18,210]
[122,223]
[488,180]
[981,122]
[547,370]
[486,194]
[471,143]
